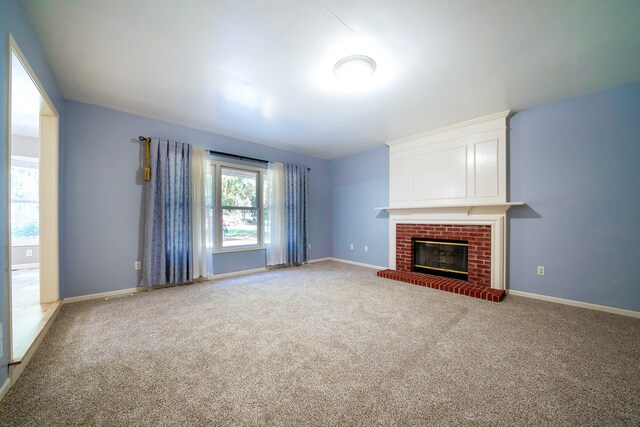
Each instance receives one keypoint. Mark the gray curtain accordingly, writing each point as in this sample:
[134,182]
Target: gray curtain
[295,200]
[167,237]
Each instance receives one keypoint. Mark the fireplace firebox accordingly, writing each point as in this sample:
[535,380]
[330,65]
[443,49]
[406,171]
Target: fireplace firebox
[439,257]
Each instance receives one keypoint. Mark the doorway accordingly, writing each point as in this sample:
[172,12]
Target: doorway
[32,169]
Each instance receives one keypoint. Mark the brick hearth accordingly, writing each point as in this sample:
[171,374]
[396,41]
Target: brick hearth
[479,268]
[444,284]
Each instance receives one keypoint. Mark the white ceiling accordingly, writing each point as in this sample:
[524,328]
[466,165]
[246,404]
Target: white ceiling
[261,70]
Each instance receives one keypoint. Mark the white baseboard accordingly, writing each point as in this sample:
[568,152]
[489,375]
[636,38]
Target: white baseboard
[313,261]
[102,295]
[574,303]
[261,269]
[25,266]
[215,276]
[238,273]
[5,388]
[360,264]
[142,289]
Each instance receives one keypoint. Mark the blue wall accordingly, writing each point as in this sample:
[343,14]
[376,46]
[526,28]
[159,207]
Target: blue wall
[359,184]
[13,20]
[575,164]
[102,205]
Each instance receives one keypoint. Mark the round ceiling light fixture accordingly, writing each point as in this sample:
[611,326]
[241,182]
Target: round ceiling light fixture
[354,68]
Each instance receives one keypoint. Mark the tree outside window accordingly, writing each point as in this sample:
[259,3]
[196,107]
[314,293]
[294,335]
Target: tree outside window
[25,221]
[240,206]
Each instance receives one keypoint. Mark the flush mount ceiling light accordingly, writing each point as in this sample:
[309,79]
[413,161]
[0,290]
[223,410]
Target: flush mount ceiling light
[354,69]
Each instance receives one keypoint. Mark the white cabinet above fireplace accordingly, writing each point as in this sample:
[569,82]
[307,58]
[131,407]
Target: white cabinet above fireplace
[460,165]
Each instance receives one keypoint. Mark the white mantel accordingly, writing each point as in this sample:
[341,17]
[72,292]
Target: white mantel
[453,175]
[470,209]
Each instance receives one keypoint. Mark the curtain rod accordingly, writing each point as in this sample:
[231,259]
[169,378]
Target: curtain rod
[221,153]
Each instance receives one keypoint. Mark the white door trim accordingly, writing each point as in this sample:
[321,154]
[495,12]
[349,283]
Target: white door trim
[49,141]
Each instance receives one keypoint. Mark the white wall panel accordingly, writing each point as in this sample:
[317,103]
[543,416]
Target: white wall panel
[463,164]
[440,175]
[486,169]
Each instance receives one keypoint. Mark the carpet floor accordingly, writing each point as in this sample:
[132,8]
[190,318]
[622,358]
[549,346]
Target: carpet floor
[328,344]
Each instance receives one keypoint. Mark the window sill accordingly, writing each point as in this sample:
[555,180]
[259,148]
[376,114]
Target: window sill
[238,249]
[17,244]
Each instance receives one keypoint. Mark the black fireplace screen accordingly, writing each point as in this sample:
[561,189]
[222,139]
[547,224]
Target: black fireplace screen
[448,258]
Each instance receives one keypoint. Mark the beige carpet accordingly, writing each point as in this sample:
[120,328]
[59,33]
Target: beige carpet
[328,344]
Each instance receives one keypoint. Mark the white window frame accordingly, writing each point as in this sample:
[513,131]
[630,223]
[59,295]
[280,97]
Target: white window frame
[217,207]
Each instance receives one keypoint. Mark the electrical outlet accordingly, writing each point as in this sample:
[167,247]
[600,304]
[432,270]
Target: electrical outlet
[366,248]
[137,265]
[29,252]
[541,270]
[351,246]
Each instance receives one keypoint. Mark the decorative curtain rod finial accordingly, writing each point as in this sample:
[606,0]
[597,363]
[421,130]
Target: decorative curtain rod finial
[147,166]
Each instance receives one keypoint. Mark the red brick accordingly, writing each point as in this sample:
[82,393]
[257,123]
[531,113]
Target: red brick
[478,236]
[446,284]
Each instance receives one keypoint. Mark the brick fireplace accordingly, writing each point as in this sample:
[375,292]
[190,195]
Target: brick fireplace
[449,185]
[478,237]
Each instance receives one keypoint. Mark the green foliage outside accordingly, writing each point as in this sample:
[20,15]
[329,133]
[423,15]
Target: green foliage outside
[28,230]
[240,231]
[240,191]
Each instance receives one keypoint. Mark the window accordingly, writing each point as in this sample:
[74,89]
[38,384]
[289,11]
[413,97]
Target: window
[238,207]
[25,228]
